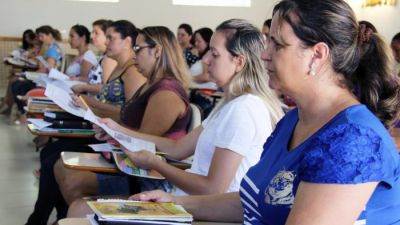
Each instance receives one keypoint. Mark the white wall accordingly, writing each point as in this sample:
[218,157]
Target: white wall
[17,15]
[386,19]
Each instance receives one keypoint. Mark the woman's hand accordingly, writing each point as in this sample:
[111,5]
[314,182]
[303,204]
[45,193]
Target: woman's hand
[77,101]
[101,135]
[143,159]
[79,88]
[153,196]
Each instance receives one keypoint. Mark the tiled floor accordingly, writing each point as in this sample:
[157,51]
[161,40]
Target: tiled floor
[18,186]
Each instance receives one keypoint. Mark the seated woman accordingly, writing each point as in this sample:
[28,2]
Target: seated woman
[160,107]
[124,81]
[199,70]
[230,141]
[79,38]
[29,50]
[331,160]
[99,74]
[184,36]
[53,55]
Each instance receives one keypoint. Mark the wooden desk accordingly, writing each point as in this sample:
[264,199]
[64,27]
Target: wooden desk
[88,162]
[84,221]
[34,131]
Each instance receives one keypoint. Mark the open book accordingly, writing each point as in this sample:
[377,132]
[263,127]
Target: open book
[126,166]
[139,212]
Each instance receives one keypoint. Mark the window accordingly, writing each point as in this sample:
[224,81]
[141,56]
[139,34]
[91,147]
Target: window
[229,3]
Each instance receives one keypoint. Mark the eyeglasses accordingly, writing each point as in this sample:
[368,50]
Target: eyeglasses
[137,48]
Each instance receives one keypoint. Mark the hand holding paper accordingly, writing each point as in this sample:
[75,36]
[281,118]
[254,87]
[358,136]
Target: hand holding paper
[131,143]
[142,159]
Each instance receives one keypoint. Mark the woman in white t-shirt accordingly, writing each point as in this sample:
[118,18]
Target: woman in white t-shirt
[100,72]
[79,38]
[231,139]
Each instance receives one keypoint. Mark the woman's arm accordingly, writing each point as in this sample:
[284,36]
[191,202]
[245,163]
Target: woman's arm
[222,171]
[85,68]
[52,64]
[163,109]
[329,204]
[103,109]
[204,77]
[89,88]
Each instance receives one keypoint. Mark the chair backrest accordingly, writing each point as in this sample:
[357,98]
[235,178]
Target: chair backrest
[195,120]
[67,60]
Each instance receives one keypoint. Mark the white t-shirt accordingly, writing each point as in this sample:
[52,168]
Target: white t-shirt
[74,69]
[242,126]
[197,69]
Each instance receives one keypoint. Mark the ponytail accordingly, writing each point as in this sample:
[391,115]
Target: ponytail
[56,35]
[46,29]
[377,85]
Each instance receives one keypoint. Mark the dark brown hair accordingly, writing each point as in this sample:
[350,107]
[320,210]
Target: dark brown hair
[103,24]
[364,64]
[46,29]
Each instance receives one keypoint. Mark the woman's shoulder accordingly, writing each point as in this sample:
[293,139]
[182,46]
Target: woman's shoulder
[354,147]
[90,57]
[247,100]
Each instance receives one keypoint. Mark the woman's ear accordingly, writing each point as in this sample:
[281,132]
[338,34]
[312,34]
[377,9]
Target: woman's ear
[128,42]
[158,51]
[240,63]
[320,53]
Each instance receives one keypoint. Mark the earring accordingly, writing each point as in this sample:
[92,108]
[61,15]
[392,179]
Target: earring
[312,70]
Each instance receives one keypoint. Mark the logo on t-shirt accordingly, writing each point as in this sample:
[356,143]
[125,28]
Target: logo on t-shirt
[280,189]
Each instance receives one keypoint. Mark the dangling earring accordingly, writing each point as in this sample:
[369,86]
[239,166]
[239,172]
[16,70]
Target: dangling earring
[312,70]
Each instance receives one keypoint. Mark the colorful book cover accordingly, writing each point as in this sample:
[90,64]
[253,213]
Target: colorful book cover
[132,210]
[125,165]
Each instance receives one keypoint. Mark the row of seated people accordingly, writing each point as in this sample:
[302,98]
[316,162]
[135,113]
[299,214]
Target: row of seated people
[147,92]
[332,157]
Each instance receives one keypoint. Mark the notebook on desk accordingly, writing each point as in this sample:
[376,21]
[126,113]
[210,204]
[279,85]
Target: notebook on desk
[116,211]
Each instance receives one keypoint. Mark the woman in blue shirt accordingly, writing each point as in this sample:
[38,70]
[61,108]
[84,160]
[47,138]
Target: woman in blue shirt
[331,160]
[51,59]
[53,55]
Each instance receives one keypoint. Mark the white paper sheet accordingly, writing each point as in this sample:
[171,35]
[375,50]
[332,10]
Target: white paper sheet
[130,143]
[39,123]
[105,147]
[57,75]
[63,99]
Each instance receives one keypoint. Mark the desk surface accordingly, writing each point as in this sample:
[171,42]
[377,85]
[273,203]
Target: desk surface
[88,162]
[34,131]
[83,221]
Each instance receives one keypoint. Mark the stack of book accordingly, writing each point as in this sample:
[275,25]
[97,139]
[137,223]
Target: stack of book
[66,120]
[42,104]
[115,212]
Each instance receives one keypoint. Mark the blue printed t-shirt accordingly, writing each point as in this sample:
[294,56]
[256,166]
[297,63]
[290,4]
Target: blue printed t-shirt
[352,148]
[54,51]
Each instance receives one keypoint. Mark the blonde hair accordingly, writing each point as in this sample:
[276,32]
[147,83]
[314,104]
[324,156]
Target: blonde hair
[171,62]
[242,38]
